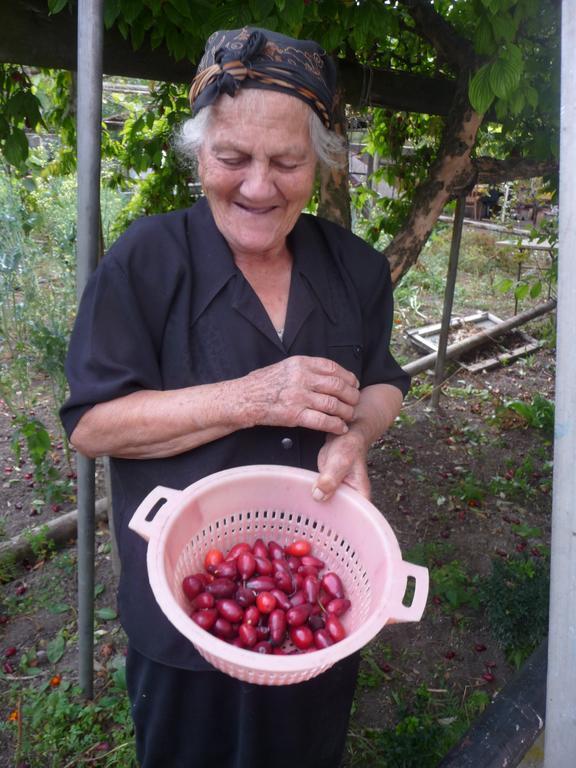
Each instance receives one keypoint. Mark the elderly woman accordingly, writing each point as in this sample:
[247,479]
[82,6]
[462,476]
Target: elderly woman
[239,331]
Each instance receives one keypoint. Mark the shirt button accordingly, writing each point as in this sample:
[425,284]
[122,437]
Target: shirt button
[286,443]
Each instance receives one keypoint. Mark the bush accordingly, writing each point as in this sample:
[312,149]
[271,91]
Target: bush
[515,598]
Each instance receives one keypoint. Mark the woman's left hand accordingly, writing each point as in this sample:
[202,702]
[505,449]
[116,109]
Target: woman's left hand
[342,459]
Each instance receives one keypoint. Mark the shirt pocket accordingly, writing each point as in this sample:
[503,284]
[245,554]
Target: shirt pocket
[348,354]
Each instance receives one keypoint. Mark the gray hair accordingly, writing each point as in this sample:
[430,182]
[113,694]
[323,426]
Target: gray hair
[329,147]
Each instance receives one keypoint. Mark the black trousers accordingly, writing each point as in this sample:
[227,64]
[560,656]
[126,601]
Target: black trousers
[188,719]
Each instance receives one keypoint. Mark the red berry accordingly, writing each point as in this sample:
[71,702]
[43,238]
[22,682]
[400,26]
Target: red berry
[205,618]
[281,598]
[264,566]
[311,588]
[246,563]
[302,637]
[191,586]
[237,550]
[204,600]
[261,583]
[339,606]
[221,588]
[227,569]
[299,548]
[229,609]
[479,647]
[245,597]
[335,628]
[332,584]
[259,549]
[298,614]
[263,647]
[266,602]
[322,639]
[252,615]
[213,557]
[223,628]
[278,625]
[248,635]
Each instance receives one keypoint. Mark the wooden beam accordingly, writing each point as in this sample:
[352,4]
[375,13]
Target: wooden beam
[30,36]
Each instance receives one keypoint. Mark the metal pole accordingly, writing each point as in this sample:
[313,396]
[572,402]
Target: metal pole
[560,734]
[448,298]
[90,44]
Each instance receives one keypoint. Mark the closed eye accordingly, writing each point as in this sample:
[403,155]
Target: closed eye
[233,162]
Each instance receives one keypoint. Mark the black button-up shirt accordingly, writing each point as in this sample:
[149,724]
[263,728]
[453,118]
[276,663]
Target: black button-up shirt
[168,308]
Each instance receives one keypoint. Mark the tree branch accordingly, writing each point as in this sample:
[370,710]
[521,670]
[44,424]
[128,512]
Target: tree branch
[493,171]
[434,28]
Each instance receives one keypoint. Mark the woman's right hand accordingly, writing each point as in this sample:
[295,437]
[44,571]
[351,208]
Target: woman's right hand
[300,391]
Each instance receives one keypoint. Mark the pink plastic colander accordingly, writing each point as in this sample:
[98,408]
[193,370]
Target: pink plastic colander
[274,503]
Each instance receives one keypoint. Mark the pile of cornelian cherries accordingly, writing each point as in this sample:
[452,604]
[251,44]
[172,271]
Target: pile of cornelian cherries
[260,596]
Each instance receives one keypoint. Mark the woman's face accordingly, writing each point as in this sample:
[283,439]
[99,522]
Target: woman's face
[257,168]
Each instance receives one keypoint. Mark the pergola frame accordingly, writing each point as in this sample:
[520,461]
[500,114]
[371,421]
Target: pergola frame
[560,741]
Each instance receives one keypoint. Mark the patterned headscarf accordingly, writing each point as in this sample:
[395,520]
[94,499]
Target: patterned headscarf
[258,58]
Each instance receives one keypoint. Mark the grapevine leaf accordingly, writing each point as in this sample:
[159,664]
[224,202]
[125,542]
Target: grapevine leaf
[480,91]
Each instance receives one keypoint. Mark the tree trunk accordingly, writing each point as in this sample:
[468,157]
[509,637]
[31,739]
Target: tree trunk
[334,194]
[451,174]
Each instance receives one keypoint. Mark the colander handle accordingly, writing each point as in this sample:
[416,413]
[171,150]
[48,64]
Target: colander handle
[139,523]
[413,612]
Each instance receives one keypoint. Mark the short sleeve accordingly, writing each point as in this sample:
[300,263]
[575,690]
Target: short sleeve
[380,367]
[112,351]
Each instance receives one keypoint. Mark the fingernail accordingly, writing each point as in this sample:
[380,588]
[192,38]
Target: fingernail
[345,429]
[318,495]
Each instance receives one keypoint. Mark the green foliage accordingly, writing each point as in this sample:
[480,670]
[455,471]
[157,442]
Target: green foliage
[469,490]
[19,110]
[145,148]
[453,586]
[8,567]
[539,414]
[426,729]
[58,727]
[408,142]
[42,547]
[449,581]
[515,598]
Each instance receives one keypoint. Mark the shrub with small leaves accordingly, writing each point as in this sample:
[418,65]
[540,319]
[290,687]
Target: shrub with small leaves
[516,598]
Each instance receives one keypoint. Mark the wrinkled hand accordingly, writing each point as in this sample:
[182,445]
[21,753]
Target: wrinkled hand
[311,392]
[342,459]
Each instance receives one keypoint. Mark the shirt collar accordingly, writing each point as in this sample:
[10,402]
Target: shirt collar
[312,260]
[214,264]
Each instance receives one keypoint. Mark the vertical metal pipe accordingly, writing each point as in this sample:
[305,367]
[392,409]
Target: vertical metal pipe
[560,734]
[448,298]
[90,44]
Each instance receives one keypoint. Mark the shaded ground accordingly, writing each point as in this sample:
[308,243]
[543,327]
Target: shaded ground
[469,484]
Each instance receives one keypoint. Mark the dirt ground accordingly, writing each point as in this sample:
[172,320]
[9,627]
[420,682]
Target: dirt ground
[417,472]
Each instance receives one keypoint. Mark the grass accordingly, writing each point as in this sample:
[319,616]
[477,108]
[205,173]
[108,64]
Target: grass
[55,727]
[426,729]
